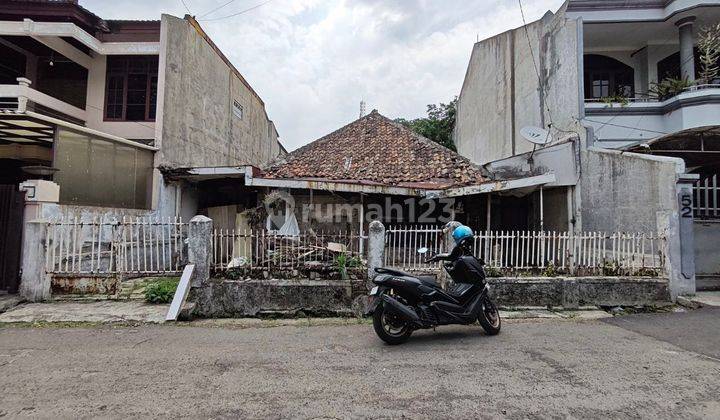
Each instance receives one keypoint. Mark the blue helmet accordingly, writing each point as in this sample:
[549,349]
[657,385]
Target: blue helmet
[461,232]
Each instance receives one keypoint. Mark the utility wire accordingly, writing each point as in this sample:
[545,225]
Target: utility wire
[216,9]
[238,13]
[532,55]
[623,126]
[186,7]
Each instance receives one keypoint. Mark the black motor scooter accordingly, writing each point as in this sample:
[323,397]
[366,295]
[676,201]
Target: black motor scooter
[403,302]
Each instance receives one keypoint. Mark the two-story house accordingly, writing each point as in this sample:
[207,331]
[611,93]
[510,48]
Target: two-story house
[104,108]
[592,75]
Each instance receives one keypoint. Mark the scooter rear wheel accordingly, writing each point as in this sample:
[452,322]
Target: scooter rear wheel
[489,317]
[388,328]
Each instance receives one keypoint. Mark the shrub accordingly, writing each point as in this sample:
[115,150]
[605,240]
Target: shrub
[669,87]
[492,272]
[161,290]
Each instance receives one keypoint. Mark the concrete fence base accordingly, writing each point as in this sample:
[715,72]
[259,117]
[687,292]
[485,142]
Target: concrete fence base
[575,292]
[250,298]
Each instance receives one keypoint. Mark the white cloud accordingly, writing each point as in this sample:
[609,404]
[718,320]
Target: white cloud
[313,61]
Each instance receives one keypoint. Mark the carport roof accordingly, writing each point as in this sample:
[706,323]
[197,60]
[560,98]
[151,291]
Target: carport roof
[375,150]
[697,146]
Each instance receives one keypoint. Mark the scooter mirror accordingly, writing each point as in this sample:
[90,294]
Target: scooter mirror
[422,250]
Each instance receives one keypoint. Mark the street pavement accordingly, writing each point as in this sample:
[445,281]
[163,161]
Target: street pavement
[626,367]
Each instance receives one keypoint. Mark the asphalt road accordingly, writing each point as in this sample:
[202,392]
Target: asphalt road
[533,369]
[697,331]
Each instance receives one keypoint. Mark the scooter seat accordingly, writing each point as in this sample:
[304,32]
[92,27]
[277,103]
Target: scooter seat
[428,281]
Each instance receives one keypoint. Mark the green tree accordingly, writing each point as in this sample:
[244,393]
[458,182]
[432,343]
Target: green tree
[439,124]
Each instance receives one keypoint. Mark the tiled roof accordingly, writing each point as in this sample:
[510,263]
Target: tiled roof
[377,150]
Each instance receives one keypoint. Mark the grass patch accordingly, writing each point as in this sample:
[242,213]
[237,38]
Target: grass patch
[161,290]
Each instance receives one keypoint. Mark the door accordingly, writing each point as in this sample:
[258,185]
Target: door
[12,202]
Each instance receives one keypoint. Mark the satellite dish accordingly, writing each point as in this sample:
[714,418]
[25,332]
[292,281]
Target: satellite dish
[535,135]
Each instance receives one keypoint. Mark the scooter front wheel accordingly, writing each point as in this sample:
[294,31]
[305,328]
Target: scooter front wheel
[389,328]
[489,317]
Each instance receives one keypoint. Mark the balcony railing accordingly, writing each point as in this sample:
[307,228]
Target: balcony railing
[20,97]
[652,99]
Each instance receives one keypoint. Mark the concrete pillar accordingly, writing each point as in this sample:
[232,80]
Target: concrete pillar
[687,44]
[680,243]
[35,282]
[200,249]
[376,249]
[23,100]
[41,198]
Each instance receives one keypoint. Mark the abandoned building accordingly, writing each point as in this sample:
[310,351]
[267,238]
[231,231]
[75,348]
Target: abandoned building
[93,111]
[586,74]
[371,169]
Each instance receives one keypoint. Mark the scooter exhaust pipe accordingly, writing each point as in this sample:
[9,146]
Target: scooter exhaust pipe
[403,311]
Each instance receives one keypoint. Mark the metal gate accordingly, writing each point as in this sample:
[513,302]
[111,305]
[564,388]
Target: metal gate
[12,203]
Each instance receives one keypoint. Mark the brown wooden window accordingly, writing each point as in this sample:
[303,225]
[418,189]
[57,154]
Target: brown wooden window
[131,88]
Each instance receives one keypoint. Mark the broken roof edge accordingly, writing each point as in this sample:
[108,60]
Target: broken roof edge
[378,188]
[252,176]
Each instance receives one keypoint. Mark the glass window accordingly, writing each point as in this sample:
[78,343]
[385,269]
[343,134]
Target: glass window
[96,172]
[606,77]
[131,90]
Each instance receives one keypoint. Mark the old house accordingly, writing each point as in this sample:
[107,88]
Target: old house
[93,112]
[589,75]
[377,169]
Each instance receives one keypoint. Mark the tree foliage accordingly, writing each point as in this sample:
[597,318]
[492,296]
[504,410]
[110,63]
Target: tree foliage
[439,124]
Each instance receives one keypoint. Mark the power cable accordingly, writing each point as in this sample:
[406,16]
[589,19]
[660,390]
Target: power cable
[216,9]
[623,126]
[532,55]
[186,7]
[238,13]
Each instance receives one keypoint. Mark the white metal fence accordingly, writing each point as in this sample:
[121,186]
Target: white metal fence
[705,200]
[104,246]
[583,253]
[258,248]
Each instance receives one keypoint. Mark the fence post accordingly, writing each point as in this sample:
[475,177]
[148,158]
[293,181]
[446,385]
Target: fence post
[35,282]
[200,231]
[376,249]
[572,254]
[448,243]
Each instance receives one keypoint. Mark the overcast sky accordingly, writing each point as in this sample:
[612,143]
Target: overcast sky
[313,61]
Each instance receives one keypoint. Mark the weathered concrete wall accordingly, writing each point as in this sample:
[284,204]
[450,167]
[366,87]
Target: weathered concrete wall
[229,298]
[574,292]
[501,93]
[243,298]
[198,125]
[625,191]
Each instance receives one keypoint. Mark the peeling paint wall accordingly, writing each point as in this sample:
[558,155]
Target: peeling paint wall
[626,191]
[198,125]
[501,93]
